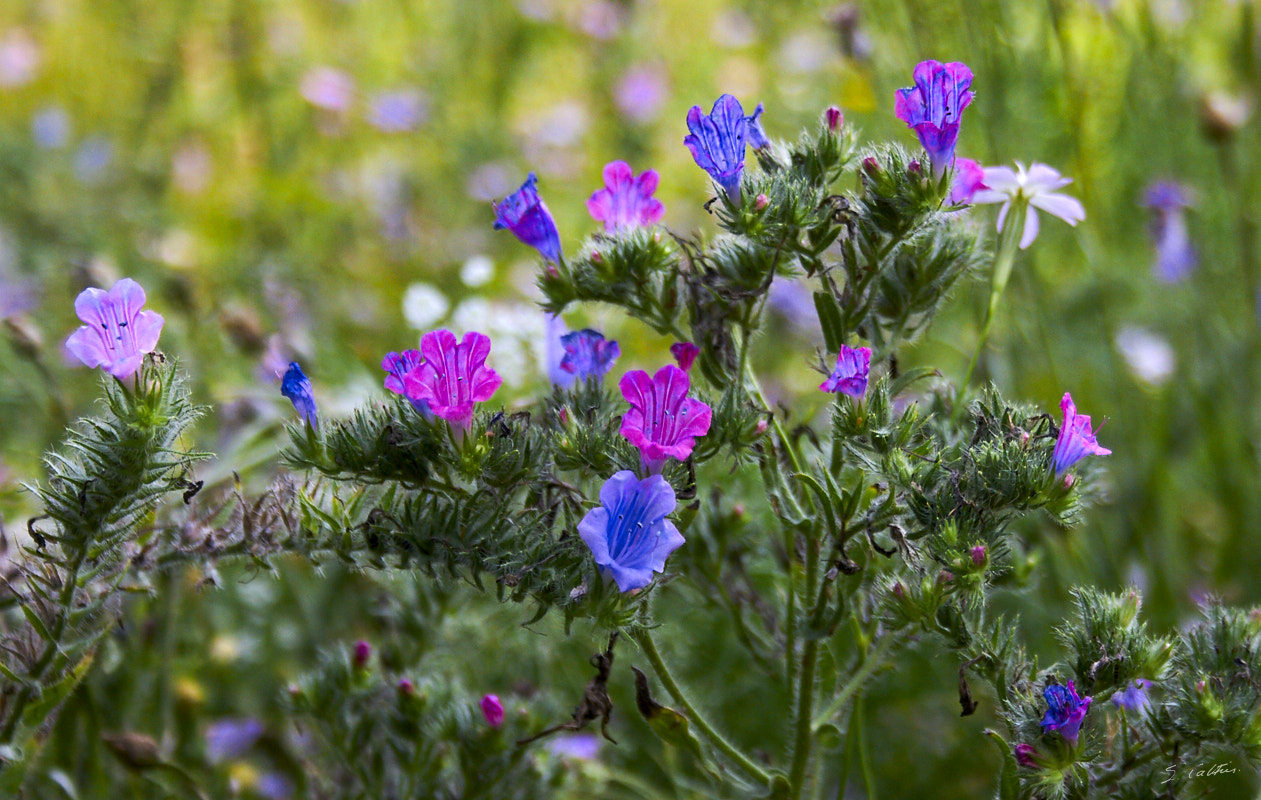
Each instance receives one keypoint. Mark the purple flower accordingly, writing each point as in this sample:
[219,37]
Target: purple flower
[274,786]
[968,179]
[1134,697]
[51,128]
[362,652]
[628,533]
[684,354]
[232,738]
[934,106]
[328,88]
[1076,439]
[1175,255]
[582,746]
[588,354]
[453,375]
[554,352]
[398,111]
[626,201]
[398,365]
[1026,755]
[834,118]
[493,710]
[1065,710]
[853,365]
[717,141]
[297,387]
[525,214]
[640,93]
[117,334]
[757,136]
[663,422]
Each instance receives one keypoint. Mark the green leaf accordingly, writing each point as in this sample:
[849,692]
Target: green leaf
[831,321]
[1008,782]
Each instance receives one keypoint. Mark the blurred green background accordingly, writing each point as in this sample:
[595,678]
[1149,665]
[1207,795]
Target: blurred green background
[312,179]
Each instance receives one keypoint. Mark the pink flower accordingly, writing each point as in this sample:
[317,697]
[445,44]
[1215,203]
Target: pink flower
[453,376]
[684,354]
[1076,440]
[117,334]
[853,365]
[493,710]
[968,179]
[663,422]
[626,201]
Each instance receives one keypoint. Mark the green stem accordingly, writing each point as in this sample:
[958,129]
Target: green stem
[805,707]
[875,659]
[644,637]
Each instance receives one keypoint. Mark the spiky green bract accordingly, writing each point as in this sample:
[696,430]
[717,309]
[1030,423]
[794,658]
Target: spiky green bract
[388,441]
[103,486]
[1109,647]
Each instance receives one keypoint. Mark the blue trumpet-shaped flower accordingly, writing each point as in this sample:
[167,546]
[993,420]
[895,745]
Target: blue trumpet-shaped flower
[588,354]
[628,533]
[525,214]
[1065,710]
[717,141]
[1076,439]
[934,106]
[297,387]
[853,366]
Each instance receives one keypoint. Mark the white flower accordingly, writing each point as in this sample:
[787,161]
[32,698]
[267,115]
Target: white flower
[1037,186]
[1149,356]
[423,305]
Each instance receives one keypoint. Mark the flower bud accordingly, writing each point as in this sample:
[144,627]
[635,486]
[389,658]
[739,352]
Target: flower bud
[552,272]
[761,202]
[493,710]
[1069,480]
[898,591]
[363,652]
[835,119]
[406,688]
[871,166]
[1026,755]
[914,169]
[1222,115]
[978,555]
[945,576]
[761,426]
[596,258]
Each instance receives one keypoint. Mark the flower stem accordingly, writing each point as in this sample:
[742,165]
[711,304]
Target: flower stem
[644,638]
[875,658]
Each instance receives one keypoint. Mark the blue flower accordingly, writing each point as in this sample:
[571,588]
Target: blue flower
[297,387]
[525,214]
[853,367]
[1133,698]
[232,738]
[753,129]
[1175,255]
[717,141]
[933,108]
[628,533]
[588,354]
[1065,710]
[398,365]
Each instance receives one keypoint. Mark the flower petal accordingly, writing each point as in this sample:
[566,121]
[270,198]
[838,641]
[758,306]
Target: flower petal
[1066,208]
[1031,228]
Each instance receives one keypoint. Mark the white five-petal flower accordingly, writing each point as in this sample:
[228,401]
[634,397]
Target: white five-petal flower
[1037,186]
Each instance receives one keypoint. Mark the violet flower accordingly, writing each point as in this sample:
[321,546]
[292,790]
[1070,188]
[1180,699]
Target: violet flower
[588,354]
[453,375]
[626,201]
[1175,255]
[1065,710]
[628,533]
[1035,187]
[117,334]
[554,352]
[232,738]
[757,136]
[1027,755]
[1133,698]
[398,365]
[968,179]
[1076,440]
[663,422]
[934,106]
[717,141]
[493,710]
[297,387]
[853,366]
[525,214]
[684,354]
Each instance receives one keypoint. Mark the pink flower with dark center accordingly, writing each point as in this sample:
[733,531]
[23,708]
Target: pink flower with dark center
[626,201]
[663,422]
[453,376]
[117,334]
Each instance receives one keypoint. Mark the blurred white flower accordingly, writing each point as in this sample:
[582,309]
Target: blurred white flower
[477,271]
[328,88]
[423,305]
[1149,355]
[19,58]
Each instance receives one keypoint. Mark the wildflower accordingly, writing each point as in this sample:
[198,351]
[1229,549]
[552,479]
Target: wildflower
[1026,755]
[554,352]
[628,533]
[525,214]
[663,422]
[684,354]
[493,710]
[978,555]
[1175,255]
[1133,698]
[835,119]
[117,334]
[753,129]
[626,201]
[1035,189]
[398,365]
[1076,440]
[640,93]
[232,738]
[580,746]
[398,111]
[853,364]
[1065,710]
[588,354]
[934,106]
[50,128]
[297,387]
[453,375]
[1149,355]
[968,179]
[363,652]
[717,141]
[328,88]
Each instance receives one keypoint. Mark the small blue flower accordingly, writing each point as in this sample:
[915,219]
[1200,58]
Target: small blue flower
[1065,710]
[588,354]
[1134,697]
[525,214]
[1175,254]
[297,387]
[232,738]
[933,108]
[717,141]
[628,533]
[757,136]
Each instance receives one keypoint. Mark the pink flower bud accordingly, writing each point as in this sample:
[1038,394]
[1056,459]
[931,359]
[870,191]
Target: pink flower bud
[914,168]
[761,202]
[835,119]
[564,416]
[552,272]
[493,710]
[978,555]
[1200,686]
[596,258]
[1069,480]
[406,688]
[363,652]
[1026,755]
[945,576]
[898,591]
[871,166]
[761,426]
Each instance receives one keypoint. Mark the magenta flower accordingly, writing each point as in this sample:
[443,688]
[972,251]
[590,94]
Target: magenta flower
[1076,440]
[628,533]
[663,422]
[1027,755]
[453,375]
[493,710]
[398,365]
[1065,710]
[588,354]
[684,354]
[934,106]
[525,214]
[717,141]
[853,365]
[117,334]
[626,201]
[968,179]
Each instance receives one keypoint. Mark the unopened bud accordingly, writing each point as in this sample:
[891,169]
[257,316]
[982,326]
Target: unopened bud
[1069,480]
[24,336]
[914,169]
[564,416]
[493,710]
[406,688]
[363,652]
[135,750]
[761,202]
[761,426]
[871,166]
[898,591]
[596,258]
[551,271]
[978,555]
[835,119]
[1200,686]
[1026,755]
[945,576]
[1222,115]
